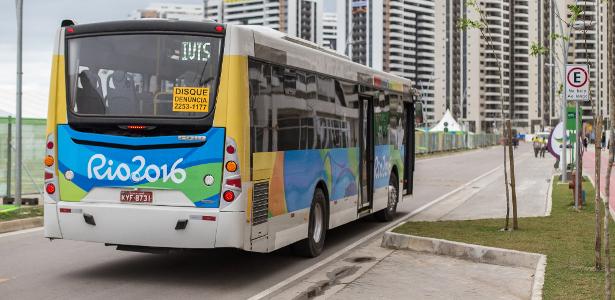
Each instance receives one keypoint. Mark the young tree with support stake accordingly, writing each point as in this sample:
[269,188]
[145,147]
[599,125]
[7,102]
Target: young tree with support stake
[609,169]
[483,27]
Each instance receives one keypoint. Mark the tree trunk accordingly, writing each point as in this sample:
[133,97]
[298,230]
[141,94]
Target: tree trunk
[512,175]
[597,233]
[607,217]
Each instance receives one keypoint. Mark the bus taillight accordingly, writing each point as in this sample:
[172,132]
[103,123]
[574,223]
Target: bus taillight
[231,166]
[50,188]
[231,178]
[228,196]
[51,181]
[49,161]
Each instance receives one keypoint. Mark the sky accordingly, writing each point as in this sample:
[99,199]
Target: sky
[41,19]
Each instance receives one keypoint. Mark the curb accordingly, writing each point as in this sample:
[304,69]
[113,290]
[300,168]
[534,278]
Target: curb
[474,253]
[20,224]
[550,196]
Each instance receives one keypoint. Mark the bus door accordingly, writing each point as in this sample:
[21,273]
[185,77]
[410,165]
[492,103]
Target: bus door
[366,149]
[409,147]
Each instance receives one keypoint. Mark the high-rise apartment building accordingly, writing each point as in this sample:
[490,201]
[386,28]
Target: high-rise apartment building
[588,46]
[468,79]
[395,36]
[329,31]
[299,18]
[172,11]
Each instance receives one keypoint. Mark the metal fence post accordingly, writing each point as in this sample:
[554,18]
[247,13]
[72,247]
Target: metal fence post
[9,163]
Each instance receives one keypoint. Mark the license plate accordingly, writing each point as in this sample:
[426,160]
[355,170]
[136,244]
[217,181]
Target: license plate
[136,197]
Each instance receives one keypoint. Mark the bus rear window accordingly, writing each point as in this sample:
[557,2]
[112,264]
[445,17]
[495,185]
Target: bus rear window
[143,75]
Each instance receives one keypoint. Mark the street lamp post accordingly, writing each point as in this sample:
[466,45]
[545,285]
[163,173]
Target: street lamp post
[565,45]
[19,8]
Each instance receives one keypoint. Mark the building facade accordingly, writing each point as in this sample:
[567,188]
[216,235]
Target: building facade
[172,11]
[531,84]
[473,65]
[329,30]
[588,45]
[395,36]
[299,18]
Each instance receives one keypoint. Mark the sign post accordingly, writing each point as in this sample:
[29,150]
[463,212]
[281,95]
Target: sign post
[577,90]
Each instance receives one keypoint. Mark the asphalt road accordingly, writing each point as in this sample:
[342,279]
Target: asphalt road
[32,267]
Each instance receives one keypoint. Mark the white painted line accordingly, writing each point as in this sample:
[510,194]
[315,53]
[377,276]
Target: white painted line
[21,232]
[270,291]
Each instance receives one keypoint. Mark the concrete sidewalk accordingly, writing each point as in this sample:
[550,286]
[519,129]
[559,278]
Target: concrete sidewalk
[486,198]
[373,272]
[413,275]
[589,169]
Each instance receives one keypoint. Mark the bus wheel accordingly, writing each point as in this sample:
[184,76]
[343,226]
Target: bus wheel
[388,213]
[313,245]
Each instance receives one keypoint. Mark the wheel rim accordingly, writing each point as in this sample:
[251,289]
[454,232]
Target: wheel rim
[318,222]
[392,197]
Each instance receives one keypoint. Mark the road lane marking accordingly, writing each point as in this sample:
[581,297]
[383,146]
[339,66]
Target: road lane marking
[3,280]
[274,289]
[21,232]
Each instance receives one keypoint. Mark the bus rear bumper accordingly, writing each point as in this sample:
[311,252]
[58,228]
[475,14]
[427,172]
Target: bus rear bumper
[150,226]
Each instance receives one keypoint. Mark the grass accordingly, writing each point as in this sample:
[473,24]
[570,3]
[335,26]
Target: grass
[7,208]
[566,237]
[20,213]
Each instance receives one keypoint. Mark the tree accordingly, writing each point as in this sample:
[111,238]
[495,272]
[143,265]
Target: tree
[483,27]
[611,93]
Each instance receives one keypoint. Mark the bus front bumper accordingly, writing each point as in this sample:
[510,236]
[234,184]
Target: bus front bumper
[146,225]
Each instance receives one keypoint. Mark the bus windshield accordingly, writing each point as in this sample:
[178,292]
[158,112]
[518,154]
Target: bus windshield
[143,75]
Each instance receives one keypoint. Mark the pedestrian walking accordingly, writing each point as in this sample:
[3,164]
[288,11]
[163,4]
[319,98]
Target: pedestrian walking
[585,142]
[543,147]
[536,145]
[603,140]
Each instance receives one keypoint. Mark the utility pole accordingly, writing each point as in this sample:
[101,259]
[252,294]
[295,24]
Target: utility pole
[19,8]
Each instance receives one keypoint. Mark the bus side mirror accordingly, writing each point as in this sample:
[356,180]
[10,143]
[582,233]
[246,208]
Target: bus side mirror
[67,22]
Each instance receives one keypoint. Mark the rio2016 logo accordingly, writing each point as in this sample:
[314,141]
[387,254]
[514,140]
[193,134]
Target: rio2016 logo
[122,172]
[381,167]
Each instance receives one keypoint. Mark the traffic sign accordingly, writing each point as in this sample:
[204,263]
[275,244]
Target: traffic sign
[577,82]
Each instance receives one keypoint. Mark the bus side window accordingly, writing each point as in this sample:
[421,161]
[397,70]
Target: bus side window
[288,117]
[260,106]
[348,95]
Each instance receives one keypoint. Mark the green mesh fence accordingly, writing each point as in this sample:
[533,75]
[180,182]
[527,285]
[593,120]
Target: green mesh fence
[33,141]
[429,142]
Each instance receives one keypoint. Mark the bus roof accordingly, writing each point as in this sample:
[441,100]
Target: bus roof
[144,25]
[278,47]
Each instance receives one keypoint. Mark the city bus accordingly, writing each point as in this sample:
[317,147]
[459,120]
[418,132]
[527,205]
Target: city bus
[188,135]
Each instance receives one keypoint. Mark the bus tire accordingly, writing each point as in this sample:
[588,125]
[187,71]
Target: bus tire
[388,213]
[313,245]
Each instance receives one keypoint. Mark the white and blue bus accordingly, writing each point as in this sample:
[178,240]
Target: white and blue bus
[169,134]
